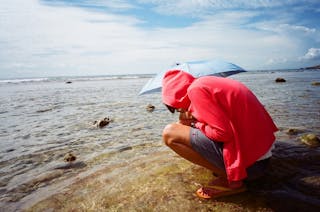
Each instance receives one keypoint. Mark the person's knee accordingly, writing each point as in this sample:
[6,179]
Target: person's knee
[168,134]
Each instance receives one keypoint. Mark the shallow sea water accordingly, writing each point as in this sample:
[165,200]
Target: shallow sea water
[41,121]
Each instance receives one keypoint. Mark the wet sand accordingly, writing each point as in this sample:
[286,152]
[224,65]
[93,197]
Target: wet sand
[165,182]
[169,187]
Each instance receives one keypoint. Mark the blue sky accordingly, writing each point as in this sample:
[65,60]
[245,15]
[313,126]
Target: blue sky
[94,37]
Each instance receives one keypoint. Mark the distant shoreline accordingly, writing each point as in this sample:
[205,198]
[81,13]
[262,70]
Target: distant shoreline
[312,67]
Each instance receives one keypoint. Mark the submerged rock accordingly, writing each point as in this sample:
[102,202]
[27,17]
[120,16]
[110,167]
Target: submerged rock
[292,181]
[69,157]
[293,131]
[150,108]
[125,148]
[279,79]
[71,165]
[17,193]
[44,110]
[310,139]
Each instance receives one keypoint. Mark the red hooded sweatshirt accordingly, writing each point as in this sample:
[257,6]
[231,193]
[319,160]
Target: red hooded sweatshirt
[226,111]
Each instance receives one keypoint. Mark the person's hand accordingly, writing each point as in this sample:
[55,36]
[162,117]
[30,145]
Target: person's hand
[186,118]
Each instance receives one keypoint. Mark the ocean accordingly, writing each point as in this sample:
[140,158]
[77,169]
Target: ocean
[43,119]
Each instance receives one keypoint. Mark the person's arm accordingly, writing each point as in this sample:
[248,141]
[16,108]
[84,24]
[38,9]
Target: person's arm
[213,119]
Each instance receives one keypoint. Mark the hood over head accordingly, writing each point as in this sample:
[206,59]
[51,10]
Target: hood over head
[175,84]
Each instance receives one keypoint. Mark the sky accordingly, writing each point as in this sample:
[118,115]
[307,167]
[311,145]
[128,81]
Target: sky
[40,38]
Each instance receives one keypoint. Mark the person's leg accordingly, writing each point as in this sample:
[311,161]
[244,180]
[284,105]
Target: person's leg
[177,137]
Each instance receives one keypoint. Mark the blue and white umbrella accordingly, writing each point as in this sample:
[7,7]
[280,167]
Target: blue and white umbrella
[197,69]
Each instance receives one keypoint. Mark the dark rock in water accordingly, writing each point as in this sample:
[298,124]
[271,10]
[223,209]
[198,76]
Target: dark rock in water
[125,148]
[311,181]
[292,181]
[150,108]
[315,83]
[75,165]
[69,157]
[310,139]
[102,123]
[68,82]
[26,136]
[44,110]
[280,80]
[293,131]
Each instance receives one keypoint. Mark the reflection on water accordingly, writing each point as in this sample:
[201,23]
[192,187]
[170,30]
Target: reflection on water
[42,121]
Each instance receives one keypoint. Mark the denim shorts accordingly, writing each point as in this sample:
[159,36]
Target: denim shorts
[212,152]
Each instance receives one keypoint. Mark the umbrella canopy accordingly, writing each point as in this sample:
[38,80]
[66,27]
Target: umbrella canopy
[197,69]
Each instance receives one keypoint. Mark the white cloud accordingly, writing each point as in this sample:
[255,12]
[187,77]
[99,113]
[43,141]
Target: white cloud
[46,37]
[110,4]
[277,61]
[279,26]
[312,54]
[200,7]
[299,36]
[45,40]
[296,28]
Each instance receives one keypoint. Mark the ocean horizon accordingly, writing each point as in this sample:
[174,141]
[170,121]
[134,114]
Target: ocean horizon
[114,76]
[73,78]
